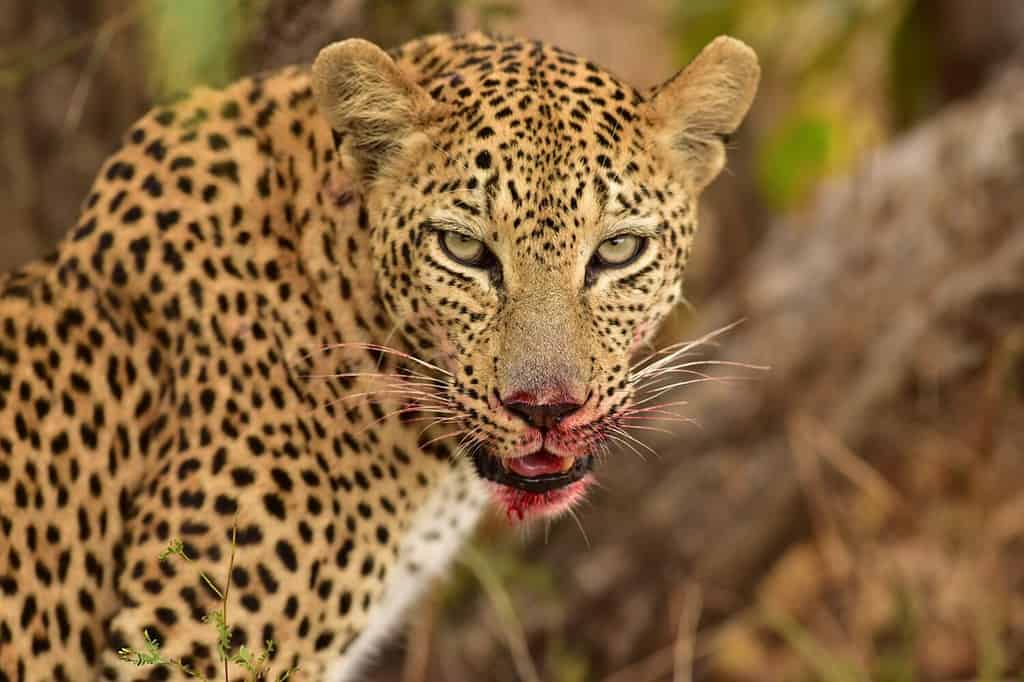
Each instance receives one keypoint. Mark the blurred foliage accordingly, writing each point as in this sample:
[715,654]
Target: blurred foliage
[564,663]
[895,643]
[825,664]
[489,12]
[195,42]
[505,559]
[913,85]
[893,658]
[395,21]
[199,42]
[839,77]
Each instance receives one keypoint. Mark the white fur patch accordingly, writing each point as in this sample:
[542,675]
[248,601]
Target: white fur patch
[437,532]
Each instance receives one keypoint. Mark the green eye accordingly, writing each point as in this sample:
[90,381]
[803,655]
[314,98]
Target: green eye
[619,251]
[463,249]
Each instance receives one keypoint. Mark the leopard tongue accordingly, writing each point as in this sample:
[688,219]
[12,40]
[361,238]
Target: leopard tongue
[539,464]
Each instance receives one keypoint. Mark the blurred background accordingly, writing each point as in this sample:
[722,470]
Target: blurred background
[852,514]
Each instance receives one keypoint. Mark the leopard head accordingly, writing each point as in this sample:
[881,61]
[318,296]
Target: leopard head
[531,218]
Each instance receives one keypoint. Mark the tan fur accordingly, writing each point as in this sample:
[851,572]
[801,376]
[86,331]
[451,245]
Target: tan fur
[362,92]
[705,101]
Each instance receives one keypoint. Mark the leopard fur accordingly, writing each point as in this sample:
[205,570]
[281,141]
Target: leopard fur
[238,342]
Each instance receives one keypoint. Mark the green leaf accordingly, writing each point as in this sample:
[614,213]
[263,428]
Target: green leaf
[194,42]
[700,21]
[793,158]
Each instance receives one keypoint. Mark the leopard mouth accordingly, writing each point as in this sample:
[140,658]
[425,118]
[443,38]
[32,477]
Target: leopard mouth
[492,469]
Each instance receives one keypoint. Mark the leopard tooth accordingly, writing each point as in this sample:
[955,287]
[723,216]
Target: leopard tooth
[567,463]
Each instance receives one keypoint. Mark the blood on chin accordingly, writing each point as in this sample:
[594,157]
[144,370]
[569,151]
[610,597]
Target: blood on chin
[519,505]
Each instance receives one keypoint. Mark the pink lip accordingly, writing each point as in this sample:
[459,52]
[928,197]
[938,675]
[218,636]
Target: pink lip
[521,506]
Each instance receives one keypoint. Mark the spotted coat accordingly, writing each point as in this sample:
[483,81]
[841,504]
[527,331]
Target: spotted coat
[201,357]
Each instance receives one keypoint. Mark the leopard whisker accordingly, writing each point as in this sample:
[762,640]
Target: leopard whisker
[471,441]
[651,428]
[431,400]
[674,351]
[388,350]
[470,450]
[409,409]
[387,339]
[685,368]
[579,524]
[658,416]
[638,410]
[419,380]
[625,434]
[656,412]
[437,421]
[626,444]
[662,390]
[425,390]
[442,437]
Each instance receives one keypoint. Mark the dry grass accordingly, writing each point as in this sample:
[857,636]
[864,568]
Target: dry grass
[893,586]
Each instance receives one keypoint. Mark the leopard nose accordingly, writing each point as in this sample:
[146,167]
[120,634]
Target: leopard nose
[541,416]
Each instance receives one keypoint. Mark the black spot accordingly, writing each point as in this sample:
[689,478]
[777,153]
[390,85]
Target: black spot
[84,230]
[250,602]
[344,603]
[282,479]
[28,611]
[182,162]
[152,186]
[217,142]
[242,476]
[166,219]
[270,584]
[256,445]
[165,117]
[118,275]
[88,645]
[59,443]
[172,257]
[156,150]
[225,169]
[230,110]
[132,215]
[166,616]
[324,641]
[274,505]
[249,535]
[287,555]
[139,248]
[225,505]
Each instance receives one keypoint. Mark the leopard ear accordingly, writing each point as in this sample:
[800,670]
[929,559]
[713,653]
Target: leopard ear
[374,109]
[696,110]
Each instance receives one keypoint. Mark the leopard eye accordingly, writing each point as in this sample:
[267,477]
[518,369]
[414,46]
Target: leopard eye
[463,249]
[619,251]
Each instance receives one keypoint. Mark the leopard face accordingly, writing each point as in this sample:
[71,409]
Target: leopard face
[531,220]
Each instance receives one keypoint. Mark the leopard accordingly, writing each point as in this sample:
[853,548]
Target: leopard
[313,325]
